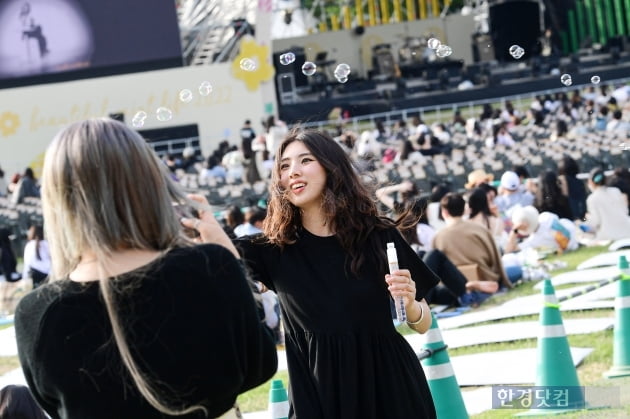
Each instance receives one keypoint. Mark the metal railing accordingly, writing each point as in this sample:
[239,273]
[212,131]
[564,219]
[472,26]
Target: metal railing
[468,109]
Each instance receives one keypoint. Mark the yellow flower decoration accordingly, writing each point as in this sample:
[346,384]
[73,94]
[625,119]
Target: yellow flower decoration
[252,64]
[37,164]
[9,123]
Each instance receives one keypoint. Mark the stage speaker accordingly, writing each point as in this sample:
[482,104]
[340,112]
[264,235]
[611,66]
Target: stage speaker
[301,80]
[383,60]
[482,48]
[515,22]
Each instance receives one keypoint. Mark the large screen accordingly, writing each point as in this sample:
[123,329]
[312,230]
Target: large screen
[45,41]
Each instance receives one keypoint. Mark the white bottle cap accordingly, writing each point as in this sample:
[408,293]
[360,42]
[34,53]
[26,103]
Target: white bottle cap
[392,257]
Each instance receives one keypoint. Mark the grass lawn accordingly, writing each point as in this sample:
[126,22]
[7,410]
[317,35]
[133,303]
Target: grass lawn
[589,372]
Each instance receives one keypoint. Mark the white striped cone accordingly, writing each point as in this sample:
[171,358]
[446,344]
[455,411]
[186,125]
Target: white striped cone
[278,401]
[621,336]
[447,396]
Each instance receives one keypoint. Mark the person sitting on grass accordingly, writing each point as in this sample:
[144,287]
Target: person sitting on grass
[471,248]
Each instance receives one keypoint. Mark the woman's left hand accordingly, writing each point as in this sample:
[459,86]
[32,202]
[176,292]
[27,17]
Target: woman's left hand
[401,285]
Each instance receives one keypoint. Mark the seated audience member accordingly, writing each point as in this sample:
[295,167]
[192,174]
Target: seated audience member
[12,186]
[233,161]
[500,136]
[188,161]
[549,196]
[254,218]
[234,217]
[214,169]
[402,201]
[491,194]
[606,209]
[572,187]
[27,186]
[471,248]
[433,210]
[511,195]
[620,179]
[8,261]
[36,261]
[4,186]
[418,233]
[535,230]
[526,182]
[17,402]
[480,213]
[478,177]
[396,197]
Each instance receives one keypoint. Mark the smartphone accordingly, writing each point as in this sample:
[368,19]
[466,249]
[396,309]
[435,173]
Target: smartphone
[187,211]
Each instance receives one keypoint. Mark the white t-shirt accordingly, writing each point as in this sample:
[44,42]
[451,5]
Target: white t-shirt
[433,214]
[31,260]
[425,236]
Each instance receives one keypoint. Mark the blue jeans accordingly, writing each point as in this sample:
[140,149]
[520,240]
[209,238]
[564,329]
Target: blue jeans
[514,273]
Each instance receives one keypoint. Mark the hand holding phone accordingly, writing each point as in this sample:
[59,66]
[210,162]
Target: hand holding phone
[187,211]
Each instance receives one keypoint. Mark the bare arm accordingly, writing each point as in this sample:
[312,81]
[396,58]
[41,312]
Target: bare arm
[384,194]
[209,228]
[420,319]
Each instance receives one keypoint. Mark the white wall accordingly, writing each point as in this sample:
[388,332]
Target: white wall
[31,116]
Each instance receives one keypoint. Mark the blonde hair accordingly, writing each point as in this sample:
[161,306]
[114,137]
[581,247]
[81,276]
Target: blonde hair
[103,190]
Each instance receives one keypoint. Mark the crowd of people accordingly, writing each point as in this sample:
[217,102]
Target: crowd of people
[138,303]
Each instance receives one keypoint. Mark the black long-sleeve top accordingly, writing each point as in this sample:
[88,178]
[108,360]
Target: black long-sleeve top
[190,320]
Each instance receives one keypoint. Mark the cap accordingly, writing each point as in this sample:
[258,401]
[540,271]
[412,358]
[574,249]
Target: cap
[510,181]
[476,177]
[527,216]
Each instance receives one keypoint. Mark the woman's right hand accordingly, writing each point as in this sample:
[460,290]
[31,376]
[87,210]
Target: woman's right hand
[209,229]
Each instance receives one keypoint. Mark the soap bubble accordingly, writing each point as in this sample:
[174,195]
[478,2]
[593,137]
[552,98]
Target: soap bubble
[138,119]
[342,70]
[516,51]
[443,51]
[287,58]
[433,43]
[595,79]
[205,88]
[185,95]
[309,68]
[248,64]
[163,114]
[566,79]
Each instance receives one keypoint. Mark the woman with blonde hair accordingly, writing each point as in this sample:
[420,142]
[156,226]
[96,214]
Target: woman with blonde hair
[137,321]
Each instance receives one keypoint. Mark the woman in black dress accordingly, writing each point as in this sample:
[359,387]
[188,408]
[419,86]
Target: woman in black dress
[323,252]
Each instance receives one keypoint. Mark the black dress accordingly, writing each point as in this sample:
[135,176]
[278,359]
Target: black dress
[191,323]
[345,358]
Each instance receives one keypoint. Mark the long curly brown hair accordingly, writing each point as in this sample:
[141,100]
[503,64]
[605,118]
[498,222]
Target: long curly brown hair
[348,203]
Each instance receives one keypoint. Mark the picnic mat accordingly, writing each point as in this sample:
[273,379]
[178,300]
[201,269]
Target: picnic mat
[532,304]
[604,259]
[508,332]
[516,366]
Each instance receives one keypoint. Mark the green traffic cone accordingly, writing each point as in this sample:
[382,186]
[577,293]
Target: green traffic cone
[555,370]
[621,336]
[447,396]
[278,401]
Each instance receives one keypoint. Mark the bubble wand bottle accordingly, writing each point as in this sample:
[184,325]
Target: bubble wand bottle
[392,259]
